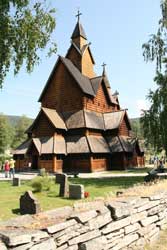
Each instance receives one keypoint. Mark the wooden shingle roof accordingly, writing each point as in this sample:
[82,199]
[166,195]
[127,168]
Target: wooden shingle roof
[52,116]
[55,118]
[77,144]
[96,81]
[83,82]
[94,120]
[98,144]
[74,120]
[22,149]
[47,145]
[112,120]
[114,144]
[128,143]
[78,31]
[59,145]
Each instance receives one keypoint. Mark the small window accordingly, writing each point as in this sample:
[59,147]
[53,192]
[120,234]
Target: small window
[98,103]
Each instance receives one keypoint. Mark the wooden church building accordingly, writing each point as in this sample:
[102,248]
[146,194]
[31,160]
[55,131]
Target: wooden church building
[81,126]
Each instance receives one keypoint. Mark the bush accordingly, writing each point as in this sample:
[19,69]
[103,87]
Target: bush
[36,185]
[40,184]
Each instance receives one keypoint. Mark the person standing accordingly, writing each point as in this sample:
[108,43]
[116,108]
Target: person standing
[12,168]
[6,169]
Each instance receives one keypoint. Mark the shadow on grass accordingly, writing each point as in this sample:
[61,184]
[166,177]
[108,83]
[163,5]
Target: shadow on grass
[16,211]
[108,181]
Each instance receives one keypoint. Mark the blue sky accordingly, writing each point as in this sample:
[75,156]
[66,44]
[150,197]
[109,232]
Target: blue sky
[117,29]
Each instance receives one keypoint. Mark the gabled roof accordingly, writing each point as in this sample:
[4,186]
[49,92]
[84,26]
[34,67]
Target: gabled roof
[55,118]
[52,116]
[78,31]
[22,149]
[83,81]
[81,51]
[98,144]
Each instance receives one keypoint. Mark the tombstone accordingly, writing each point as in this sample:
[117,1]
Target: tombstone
[29,204]
[62,179]
[76,191]
[16,182]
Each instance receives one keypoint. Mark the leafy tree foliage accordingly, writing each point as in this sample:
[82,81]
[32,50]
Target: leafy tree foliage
[19,131]
[155,119]
[25,29]
[137,127]
[6,134]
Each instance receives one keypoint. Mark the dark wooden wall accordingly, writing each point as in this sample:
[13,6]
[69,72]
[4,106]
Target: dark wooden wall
[63,93]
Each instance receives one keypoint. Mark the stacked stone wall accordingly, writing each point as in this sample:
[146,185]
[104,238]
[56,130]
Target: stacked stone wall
[122,223]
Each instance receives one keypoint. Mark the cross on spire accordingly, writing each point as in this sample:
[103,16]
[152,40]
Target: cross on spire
[78,15]
[104,65]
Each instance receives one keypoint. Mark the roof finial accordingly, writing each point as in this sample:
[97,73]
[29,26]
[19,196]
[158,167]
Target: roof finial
[78,15]
[104,68]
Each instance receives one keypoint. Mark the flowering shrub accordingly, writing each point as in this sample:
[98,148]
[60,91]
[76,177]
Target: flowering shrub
[86,194]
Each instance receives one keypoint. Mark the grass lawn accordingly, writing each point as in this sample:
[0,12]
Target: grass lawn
[9,195]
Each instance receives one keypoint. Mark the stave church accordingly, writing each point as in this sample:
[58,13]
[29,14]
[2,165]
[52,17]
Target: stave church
[81,126]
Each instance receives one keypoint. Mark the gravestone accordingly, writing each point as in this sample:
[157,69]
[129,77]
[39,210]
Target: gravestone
[76,191]
[16,182]
[62,179]
[29,204]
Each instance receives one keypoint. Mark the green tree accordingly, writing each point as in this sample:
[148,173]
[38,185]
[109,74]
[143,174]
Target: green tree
[155,119]
[25,29]
[20,128]
[5,134]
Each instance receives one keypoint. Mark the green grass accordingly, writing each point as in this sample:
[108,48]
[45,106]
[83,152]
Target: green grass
[9,195]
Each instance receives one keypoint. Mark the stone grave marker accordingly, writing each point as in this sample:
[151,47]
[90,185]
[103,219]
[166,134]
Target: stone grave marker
[76,191]
[29,204]
[62,179]
[16,182]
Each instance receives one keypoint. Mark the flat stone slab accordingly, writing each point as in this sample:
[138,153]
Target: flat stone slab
[84,216]
[48,244]
[119,209]
[16,237]
[58,227]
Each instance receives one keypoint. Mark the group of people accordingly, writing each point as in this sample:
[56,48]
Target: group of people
[159,163]
[9,168]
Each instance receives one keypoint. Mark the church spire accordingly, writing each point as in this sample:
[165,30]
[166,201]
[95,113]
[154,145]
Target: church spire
[78,30]
[104,74]
[104,69]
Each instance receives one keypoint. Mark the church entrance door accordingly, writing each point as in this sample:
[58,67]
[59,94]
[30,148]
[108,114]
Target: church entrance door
[35,162]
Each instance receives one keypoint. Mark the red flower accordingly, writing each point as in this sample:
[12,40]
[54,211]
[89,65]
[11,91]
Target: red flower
[86,194]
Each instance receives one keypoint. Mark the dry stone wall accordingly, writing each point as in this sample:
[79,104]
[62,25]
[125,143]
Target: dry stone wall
[122,223]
